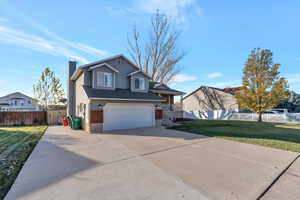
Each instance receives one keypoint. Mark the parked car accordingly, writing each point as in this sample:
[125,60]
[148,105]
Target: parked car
[278,111]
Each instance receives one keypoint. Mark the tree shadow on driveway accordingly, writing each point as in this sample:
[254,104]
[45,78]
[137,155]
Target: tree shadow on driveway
[47,165]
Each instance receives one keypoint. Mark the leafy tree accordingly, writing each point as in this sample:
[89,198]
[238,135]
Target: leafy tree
[263,88]
[158,56]
[48,90]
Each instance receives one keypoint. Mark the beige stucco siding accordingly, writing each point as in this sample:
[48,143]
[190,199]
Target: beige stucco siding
[81,100]
[208,99]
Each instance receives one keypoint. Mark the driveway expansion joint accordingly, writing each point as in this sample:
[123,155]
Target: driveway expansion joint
[278,177]
[158,151]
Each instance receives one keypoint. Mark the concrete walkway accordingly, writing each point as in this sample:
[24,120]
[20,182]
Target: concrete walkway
[149,163]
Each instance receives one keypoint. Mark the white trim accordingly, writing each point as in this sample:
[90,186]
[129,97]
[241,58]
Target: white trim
[139,71]
[140,84]
[76,74]
[95,98]
[103,64]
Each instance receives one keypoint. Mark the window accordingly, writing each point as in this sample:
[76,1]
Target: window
[139,83]
[16,102]
[22,103]
[104,79]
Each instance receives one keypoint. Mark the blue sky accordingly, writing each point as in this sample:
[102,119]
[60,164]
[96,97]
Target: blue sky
[217,35]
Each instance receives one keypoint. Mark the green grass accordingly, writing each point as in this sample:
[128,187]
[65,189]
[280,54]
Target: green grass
[276,135]
[16,144]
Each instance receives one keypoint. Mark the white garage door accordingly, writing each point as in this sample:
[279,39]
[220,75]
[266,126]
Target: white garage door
[125,115]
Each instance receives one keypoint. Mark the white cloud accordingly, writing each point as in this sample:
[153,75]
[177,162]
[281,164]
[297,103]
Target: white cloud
[56,46]
[176,9]
[180,78]
[214,75]
[227,84]
[113,11]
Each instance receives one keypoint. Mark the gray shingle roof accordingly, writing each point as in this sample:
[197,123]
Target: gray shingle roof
[121,94]
[167,90]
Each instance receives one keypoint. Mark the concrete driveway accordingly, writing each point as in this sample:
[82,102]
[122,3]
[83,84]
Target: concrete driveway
[148,163]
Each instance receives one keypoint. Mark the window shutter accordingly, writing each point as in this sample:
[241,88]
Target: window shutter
[109,79]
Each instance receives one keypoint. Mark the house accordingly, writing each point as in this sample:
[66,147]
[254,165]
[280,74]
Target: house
[233,90]
[114,93]
[209,102]
[18,102]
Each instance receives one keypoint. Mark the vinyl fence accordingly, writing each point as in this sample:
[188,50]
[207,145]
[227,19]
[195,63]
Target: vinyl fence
[21,118]
[233,115]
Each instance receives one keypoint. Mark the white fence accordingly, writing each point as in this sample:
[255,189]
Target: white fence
[233,115]
[211,115]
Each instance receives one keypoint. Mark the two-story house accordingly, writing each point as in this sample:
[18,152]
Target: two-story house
[114,93]
[18,102]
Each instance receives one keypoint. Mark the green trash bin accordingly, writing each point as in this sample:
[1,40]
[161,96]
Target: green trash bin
[76,123]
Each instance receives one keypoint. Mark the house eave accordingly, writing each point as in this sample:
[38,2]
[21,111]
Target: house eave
[120,99]
[76,74]
[167,92]
[139,71]
[104,65]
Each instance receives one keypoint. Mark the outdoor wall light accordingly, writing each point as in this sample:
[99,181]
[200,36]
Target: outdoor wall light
[100,106]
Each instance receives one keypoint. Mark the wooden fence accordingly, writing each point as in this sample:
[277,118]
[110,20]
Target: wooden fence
[55,117]
[21,118]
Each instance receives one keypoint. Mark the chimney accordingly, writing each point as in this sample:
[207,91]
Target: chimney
[71,89]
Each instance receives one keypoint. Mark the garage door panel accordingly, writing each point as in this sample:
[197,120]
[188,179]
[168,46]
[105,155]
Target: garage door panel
[124,116]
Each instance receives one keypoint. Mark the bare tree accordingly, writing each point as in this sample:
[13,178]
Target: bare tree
[159,56]
[48,89]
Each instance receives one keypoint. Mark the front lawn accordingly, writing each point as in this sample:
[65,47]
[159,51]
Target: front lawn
[16,144]
[276,135]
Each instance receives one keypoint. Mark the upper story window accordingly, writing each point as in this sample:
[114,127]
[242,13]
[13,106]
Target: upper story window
[104,79]
[22,103]
[139,83]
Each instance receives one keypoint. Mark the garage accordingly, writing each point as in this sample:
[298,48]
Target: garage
[125,115]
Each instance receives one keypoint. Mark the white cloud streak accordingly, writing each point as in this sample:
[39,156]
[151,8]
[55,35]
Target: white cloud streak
[214,75]
[227,84]
[174,8]
[180,78]
[55,47]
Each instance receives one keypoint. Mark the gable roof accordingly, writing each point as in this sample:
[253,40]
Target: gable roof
[163,88]
[107,60]
[17,93]
[104,65]
[81,68]
[139,71]
[201,87]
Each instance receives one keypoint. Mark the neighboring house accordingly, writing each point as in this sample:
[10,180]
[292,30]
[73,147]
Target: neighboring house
[18,102]
[114,93]
[205,100]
